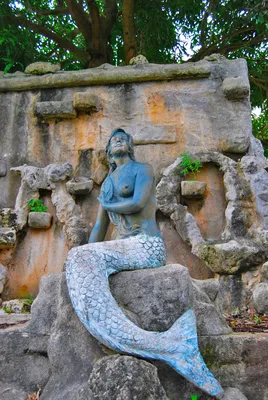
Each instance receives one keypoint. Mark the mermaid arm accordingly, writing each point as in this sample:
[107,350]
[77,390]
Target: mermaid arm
[100,228]
[143,189]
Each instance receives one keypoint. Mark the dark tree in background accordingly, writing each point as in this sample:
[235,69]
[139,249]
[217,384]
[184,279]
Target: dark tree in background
[87,33]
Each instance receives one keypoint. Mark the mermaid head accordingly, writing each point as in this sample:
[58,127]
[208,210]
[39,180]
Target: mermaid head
[110,159]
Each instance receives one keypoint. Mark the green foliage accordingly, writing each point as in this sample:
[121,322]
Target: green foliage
[7,310]
[36,205]
[189,165]
[260,126]
[194,397]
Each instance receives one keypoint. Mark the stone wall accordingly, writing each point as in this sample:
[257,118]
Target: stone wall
[54,131]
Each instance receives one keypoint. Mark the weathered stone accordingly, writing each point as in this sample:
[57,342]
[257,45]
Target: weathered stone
[7,238]
[8,218]
[17,306]
[193,189]
[99,168]
[86,101]
[11,319]
[233,394]
[100,76]
[264,272]
[9,392]
[235,87]
[260,298]
[72,351]
[40,68]
[233,256]
[161,134]
[3,168]
[140,59]
[209,286]
[125,378]
[79,186]
[39,220]
[233,295]
[167,292]
[55,109]
[3,277]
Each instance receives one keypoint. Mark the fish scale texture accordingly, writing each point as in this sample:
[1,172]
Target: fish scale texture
[87,270]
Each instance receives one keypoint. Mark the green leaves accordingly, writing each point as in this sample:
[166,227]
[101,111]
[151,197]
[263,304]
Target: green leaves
[36,205]
[189,165]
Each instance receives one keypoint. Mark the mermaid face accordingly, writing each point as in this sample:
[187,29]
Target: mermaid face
[119,144]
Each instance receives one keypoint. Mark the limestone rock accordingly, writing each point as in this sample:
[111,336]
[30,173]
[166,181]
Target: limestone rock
[39,220]
[40,68]
[8,218]
[79,186]
[233,295]
[9,392]
[3,168]
[140,59]
[86,101]
[193,189]
[3,277]
[209,286]
[7,238]
[125,378]
[99,168]
[55,109]
[11,319]
[235,87]
[233,394]
[260,298]
[264,272]
[167,292]
[232,256]
[17,306]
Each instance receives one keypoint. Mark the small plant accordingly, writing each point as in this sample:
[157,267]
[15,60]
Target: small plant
[36,205]
[7,310]
[189,165]
[194,397]
[35,395]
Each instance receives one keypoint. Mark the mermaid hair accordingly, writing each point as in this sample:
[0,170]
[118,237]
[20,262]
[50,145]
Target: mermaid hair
[111,163]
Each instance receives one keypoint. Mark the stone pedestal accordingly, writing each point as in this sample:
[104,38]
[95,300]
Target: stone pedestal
[39,220]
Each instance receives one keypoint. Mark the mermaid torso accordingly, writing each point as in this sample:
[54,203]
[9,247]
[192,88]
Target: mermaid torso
[118,186]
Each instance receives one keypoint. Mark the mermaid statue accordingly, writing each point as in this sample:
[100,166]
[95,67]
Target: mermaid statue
[127,200]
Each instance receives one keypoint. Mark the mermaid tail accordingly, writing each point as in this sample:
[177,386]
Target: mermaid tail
[87,270]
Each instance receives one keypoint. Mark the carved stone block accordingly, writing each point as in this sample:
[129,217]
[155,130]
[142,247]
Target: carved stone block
[55,109]
[81,186]
[193,189]
[235,87]
[86,101]
[39,220]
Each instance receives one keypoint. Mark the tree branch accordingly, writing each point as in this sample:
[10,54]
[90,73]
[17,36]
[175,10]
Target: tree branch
[81,19]
[62,42]
[56,11]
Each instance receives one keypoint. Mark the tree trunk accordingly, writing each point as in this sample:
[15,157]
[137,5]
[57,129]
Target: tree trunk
[129,31]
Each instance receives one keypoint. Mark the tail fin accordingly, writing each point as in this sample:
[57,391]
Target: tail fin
[183,329]
[184,356]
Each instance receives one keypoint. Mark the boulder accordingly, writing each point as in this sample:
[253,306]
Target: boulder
[39,220]
[260,298]
[167,293]
[41,68]
[233,256]
[125,378]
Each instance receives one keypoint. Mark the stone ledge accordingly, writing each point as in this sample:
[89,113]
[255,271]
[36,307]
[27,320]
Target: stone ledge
[113,75]
[55,109]
[39,220]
